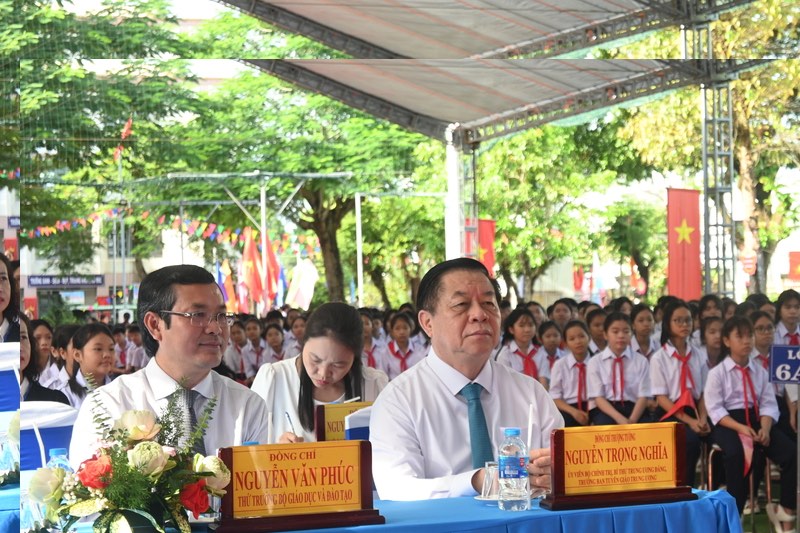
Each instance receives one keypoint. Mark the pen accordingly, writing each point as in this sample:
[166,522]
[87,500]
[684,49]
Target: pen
[352,399]
[289,419]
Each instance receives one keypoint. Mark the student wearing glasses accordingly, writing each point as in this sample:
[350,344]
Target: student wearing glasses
[185,330]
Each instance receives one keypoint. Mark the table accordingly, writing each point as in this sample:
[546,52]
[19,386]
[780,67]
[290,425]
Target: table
[712,511]
[9,508]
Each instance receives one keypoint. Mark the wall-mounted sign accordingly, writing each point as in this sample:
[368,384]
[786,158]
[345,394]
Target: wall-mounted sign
[67,281]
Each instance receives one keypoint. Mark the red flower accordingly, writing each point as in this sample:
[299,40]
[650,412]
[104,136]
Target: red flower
[95,473]
[194,497]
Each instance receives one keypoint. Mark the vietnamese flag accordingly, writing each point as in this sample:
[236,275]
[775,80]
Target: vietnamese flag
[683,229]
[486,231]
[251,266]
[794,266]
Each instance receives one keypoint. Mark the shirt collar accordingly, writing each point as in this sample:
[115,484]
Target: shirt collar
[455,380]
[4,328]
[730,365]
[571,361]
[163,385]
[608,354]
[783,331]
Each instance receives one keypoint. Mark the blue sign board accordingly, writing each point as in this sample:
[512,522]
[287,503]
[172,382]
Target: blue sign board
[784,364]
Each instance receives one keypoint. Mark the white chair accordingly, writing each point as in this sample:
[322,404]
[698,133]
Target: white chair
[356,424]
[43,425]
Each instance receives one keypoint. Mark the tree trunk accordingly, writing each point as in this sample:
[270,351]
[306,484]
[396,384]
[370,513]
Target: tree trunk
[326,219]
[377,279]
[138,263]
[644,272]
[505,273]
[747,186]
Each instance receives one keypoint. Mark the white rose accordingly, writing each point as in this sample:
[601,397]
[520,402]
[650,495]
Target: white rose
[222,475]
[140,425]
[149,458]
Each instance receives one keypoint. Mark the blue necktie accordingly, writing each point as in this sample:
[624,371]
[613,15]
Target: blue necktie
[479,439]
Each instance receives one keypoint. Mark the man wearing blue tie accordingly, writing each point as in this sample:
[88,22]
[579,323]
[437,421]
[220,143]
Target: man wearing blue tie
[434,426]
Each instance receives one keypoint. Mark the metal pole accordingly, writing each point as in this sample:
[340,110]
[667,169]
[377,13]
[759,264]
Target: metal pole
[180,228]
[359,252]
[114,271]
[453,219]
[264,245]
[124,258]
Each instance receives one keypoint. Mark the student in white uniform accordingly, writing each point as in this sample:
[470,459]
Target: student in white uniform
[741,405]
[677,380]
[787,318]
[550,337]
[401,352]
[643,325]
[710,305]
[597,340]
[568,383]
[369,351]
[710,348]
[255,351]
[275,347]
[234,353]
[328,371]
[619,380]
[519,351]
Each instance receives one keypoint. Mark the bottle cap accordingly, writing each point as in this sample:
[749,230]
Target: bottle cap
[57,451]
[511,432]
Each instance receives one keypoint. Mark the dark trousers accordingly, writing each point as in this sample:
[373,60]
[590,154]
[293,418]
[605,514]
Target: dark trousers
[693,443]
[780,451]
[599,418]
[569,421]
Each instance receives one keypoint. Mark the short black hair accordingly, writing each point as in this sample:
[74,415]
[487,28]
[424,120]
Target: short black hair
[156,293]
[431,284]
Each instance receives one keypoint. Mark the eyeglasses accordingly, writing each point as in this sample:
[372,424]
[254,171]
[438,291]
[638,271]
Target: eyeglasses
[764,329]
[201,319]
[682,321]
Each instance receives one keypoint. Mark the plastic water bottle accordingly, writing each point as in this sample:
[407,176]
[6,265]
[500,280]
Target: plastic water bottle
[58,459]
[512,459]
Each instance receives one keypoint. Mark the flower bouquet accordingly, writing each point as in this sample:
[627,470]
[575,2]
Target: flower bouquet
[143,473]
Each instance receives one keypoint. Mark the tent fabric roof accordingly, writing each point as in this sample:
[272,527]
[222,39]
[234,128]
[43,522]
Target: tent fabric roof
[455,29]
[490,98]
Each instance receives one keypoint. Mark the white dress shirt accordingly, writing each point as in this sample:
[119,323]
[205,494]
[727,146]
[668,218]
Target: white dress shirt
[648,350]
[419,426]
[279,385]
[390,364]
[234,357]
[635,370]
[254,357]
[782,333]
[665,372]
[511,359]
[564,381]
[756,356]
[239,416]
[724,391]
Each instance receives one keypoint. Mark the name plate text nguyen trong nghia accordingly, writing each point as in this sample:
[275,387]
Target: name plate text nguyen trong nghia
[330,419]
[603,466]
[281,487]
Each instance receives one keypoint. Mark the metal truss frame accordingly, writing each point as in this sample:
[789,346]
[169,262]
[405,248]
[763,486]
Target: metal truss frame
[294,23]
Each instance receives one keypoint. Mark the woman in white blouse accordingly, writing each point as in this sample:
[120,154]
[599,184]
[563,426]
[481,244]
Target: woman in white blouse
[329,370]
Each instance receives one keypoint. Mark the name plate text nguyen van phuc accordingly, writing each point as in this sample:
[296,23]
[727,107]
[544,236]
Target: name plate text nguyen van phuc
[298,486]
[598,466]
[330,419]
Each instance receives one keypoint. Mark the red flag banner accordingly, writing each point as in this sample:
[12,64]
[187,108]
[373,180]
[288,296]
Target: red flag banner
[794,266]
[251,266]
[11,248]
[127,129]
[273,272]
[683,228]
[31,307]
[486,231]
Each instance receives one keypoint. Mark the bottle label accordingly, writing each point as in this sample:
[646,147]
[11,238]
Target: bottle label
[512,467]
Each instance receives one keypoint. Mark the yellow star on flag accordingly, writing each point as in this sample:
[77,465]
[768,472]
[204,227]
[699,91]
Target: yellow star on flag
[684,232]
[481,253]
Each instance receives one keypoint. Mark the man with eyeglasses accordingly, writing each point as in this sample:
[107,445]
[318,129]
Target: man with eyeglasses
[185,330]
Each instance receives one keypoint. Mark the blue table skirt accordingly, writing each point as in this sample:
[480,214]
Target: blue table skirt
[713,511]
[9,509]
